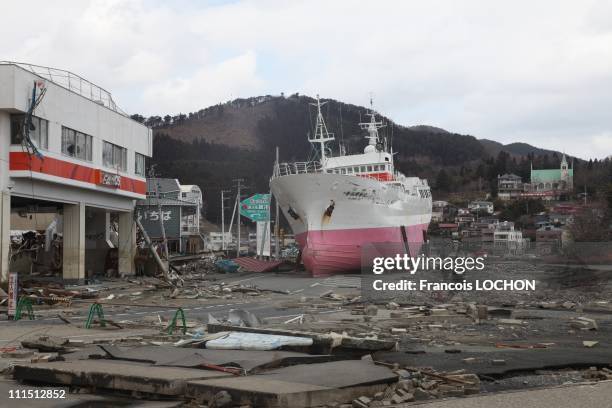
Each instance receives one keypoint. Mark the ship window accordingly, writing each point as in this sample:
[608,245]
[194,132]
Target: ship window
[369,168]
[343,171]
[363,169]
[386,159]
[356,169]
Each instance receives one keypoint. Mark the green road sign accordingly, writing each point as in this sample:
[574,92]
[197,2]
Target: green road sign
[256,207]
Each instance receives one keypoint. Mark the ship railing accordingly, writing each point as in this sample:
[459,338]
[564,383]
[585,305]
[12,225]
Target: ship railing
[286,169]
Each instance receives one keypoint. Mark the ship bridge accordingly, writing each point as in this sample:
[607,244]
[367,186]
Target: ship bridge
[374,164]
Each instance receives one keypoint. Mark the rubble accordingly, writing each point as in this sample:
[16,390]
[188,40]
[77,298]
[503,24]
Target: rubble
[448,348]
[597,374]
[583,323]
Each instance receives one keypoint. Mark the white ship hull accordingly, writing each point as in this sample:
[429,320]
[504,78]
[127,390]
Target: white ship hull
[334,215]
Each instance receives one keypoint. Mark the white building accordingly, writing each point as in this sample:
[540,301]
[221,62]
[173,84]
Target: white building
[215,241]
[481,207]
[86,159]
[506,234]
[192,193]
[437,210]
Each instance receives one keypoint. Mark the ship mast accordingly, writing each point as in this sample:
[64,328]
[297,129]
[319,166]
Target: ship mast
[372,127]
[321,134]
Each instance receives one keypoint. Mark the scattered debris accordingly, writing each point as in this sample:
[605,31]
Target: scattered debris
[256,341]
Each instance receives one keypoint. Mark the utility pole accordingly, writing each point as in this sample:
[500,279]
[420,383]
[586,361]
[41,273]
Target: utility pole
[277,221]
[223,219]
[238,197]
[161,215]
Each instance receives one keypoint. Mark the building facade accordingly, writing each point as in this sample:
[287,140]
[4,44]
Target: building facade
[509,186]
[505,234]
[481,207]
[181,207]
[65,146]
[551,184]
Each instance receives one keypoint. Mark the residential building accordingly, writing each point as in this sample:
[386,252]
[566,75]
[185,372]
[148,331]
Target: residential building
[549,234]
[215,241]
[437,210]
[559,219]
[67,149]
[464,217]
[481,207]
[509,186]
[506,234]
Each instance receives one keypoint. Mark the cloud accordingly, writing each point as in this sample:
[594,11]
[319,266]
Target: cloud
[537,72]
[209,85]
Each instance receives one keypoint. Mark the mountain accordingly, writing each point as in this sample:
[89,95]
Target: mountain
[516,149]
[237,139]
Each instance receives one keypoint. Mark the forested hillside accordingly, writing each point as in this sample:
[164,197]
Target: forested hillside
[212,146]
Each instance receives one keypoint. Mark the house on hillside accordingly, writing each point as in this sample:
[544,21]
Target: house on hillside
[505,234]
[481,207]
[509,186]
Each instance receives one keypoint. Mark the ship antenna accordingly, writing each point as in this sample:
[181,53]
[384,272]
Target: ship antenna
[372,127]
[342,146]
[321,135]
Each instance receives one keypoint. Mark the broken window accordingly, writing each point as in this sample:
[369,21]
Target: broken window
[114,156]
[76,144]
[39,131]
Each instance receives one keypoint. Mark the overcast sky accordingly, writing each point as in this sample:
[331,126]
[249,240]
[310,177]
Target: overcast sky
[531,71]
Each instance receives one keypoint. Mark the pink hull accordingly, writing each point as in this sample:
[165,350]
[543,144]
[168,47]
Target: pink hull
[326,253]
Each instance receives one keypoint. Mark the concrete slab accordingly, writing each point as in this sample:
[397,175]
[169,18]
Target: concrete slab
[113,375]
[338,374]
[515,359]
[252,361]
[583,395]
[299,386]
[260,391]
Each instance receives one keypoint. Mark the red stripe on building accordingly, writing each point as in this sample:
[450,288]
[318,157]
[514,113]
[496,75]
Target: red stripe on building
[20,161]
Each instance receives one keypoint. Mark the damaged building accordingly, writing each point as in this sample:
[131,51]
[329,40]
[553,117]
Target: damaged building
[72,165]
[178,208]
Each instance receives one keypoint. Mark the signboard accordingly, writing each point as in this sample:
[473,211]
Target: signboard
[263,238]
[256,208]
[149,216]
[109,179]
[13,291]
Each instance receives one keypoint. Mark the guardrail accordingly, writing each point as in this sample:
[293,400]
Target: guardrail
[72,82]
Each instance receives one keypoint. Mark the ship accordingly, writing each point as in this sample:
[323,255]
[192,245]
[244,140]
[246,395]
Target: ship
[339,204]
